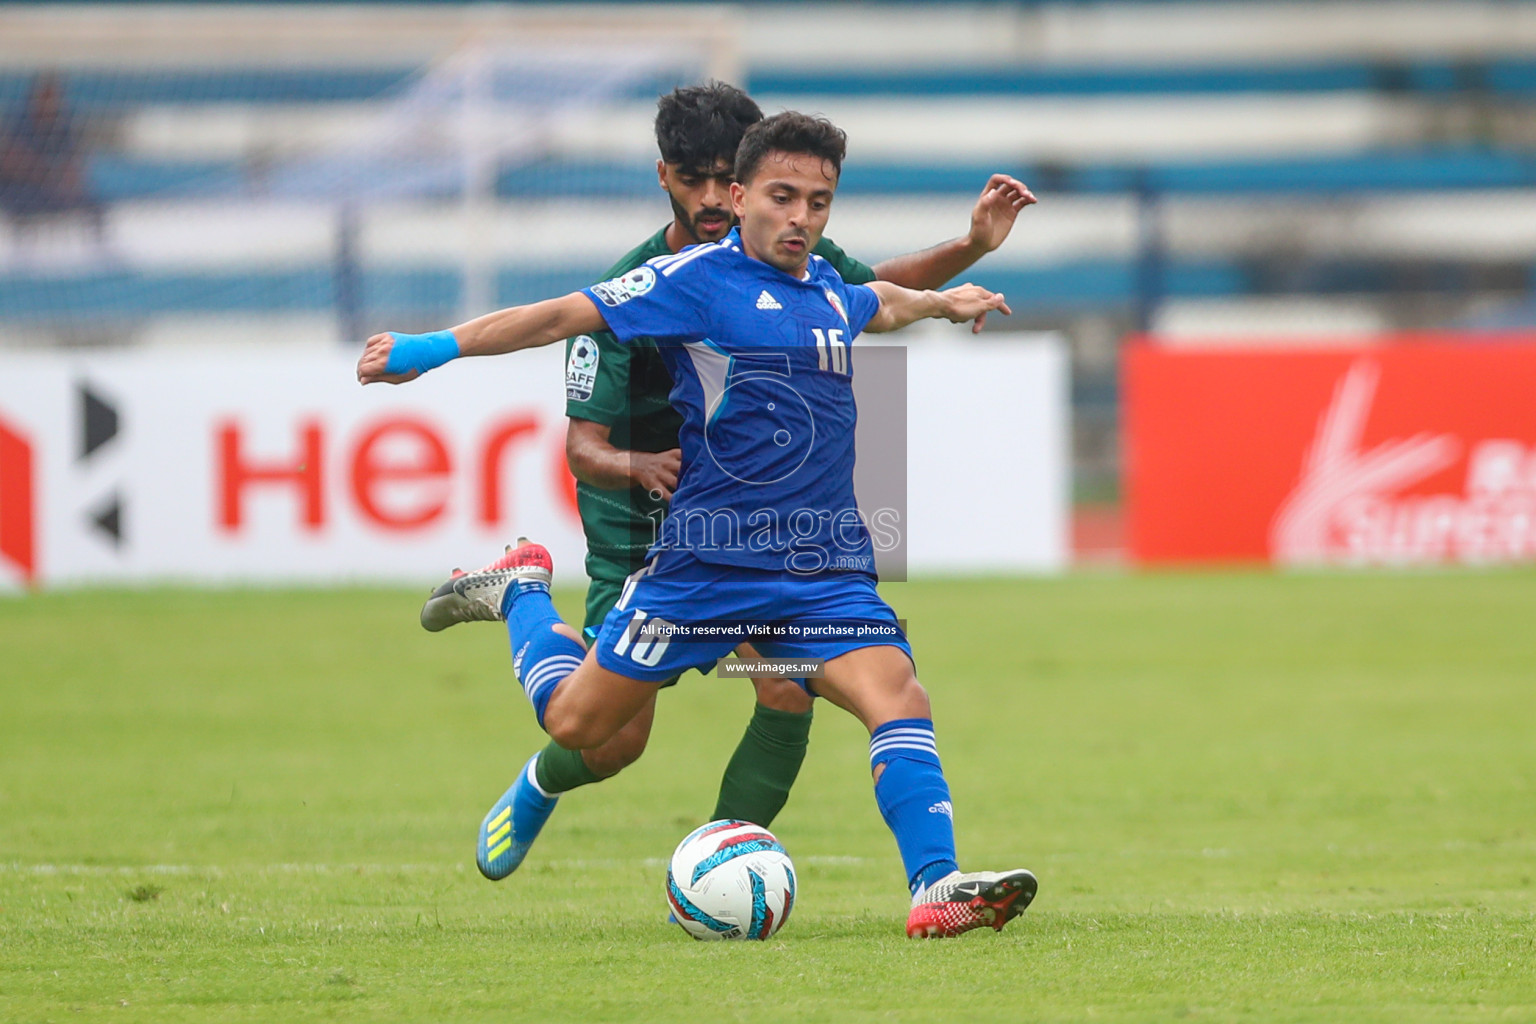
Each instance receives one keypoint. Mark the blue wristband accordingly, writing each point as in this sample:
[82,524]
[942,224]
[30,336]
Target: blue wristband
[421,352]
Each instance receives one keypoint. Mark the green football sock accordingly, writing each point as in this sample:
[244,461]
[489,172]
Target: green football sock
[761,772]
[560,770]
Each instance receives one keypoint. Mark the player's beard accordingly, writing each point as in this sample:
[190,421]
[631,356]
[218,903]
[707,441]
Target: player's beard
[691,223]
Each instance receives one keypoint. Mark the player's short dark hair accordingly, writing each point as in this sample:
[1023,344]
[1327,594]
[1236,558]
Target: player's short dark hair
[701,125]
[791,132]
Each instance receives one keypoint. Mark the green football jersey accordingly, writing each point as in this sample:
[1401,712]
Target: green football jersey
[626,388]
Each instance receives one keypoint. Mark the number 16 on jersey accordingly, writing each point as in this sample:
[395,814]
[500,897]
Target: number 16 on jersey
[831,350]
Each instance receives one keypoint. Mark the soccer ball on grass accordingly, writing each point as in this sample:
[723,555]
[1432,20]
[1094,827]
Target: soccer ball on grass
[730,880]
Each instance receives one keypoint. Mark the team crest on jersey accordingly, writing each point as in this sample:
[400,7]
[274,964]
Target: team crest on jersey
[581,369]
[837,304]
[628,286]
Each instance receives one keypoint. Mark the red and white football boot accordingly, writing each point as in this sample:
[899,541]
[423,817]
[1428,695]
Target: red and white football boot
[477,596]
[961,901]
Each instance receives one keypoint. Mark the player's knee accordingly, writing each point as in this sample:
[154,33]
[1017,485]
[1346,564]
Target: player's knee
[782,695]
[570,731]
[911,700]
[615,755]
[573,728]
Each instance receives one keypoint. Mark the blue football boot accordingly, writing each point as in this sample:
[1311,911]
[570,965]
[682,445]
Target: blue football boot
[512,825]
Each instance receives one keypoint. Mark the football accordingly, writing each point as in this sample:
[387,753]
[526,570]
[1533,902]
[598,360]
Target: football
[730,880]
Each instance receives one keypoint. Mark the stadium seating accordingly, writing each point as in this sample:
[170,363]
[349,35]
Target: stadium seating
[1188,156]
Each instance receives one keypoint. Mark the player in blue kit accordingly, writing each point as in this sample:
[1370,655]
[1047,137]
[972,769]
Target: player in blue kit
[765,541]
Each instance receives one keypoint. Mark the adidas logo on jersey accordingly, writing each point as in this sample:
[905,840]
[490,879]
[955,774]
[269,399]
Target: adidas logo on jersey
[766,301]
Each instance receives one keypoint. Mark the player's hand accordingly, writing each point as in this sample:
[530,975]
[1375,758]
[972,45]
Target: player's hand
[994,213]
[375,357]
[971,302]
[656,472]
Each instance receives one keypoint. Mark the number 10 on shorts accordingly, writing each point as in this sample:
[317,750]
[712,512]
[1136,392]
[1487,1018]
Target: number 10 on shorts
[645,639]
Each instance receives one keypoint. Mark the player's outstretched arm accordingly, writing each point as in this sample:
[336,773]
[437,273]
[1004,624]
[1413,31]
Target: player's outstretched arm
[992,219]
[394,358]
[902,306]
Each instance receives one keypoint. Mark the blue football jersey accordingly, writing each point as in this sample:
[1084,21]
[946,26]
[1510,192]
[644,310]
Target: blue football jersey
[762,371]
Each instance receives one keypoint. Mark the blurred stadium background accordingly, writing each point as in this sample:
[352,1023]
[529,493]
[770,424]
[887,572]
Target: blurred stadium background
[187,178]
[1277,305]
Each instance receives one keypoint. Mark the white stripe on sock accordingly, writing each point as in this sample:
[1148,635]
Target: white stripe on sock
[563,664]
[902,740]
[914,736]
[914,744]
[876,755]
[906,738]
[536,694]
[904,731]
[919,738]
[554,667]
[533,777]
[536,690]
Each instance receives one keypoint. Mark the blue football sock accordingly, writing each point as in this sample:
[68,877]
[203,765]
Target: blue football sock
[914,798]
[540,656]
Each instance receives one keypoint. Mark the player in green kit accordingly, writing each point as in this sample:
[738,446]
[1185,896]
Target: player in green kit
[622,445]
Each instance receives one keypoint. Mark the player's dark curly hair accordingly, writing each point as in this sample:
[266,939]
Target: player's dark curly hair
[791,132]
[701,125]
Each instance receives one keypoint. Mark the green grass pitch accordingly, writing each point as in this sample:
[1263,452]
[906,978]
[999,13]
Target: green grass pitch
[1248,797]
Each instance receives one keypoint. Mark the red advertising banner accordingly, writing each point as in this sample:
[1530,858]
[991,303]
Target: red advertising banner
[1415,450]
[234,465]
